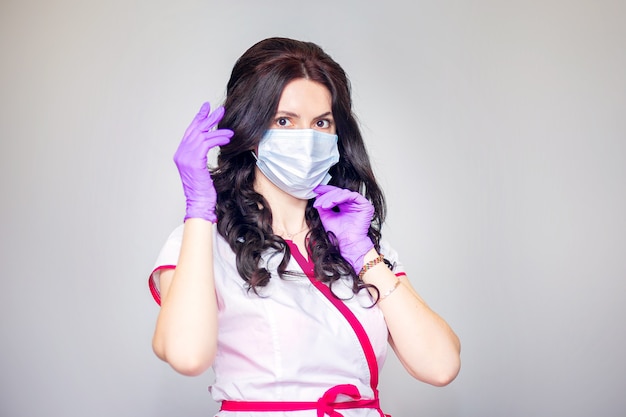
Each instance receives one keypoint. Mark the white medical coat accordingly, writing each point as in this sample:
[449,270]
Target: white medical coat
[289,343]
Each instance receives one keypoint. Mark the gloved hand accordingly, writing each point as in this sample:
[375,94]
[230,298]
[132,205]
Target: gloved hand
[350,224]
[191,161]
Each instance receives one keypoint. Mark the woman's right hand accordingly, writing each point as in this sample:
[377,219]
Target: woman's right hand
[191,161]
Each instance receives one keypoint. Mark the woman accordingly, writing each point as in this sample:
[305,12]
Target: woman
[292,296]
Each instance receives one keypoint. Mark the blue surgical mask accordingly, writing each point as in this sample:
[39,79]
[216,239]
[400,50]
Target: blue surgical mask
[297,160]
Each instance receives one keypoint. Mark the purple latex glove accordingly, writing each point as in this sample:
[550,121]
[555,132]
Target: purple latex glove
[350,224]
[191,160]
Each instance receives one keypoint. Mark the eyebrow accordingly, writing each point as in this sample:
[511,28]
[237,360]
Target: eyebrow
[291,114]
[328,113]
[286,113]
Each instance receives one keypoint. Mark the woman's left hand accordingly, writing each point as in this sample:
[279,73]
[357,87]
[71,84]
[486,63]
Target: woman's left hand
[348,215]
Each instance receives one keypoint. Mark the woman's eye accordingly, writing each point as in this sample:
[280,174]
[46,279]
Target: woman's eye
[283,122]
[323,124]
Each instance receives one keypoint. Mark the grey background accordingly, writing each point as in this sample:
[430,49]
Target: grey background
[497,129]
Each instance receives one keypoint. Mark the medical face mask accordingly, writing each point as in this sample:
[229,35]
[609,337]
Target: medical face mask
[297,160]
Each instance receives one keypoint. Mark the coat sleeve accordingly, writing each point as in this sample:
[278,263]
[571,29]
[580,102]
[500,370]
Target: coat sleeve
[167,259]
[391,258]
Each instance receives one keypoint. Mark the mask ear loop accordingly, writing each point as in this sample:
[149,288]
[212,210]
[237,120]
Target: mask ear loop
[253,154]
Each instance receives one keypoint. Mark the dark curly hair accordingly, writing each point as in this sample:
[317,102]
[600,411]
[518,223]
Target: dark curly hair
[244,217]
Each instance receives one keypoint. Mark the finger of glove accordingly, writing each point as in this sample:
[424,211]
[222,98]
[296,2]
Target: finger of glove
[203,126]
[198,140]
[213,139]
[204,111]
[329,196]
[218,137]
[205,120]
[324,188]
[208,123]
[202,114]
[194,149]
[212,120]
[335,197]
[326,194]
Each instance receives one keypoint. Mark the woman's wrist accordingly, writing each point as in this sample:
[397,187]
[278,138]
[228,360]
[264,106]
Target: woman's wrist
[372,261]
[370,264]
[370,255]
[376,273]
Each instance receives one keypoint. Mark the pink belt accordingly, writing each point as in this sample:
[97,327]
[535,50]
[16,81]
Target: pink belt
[326,405]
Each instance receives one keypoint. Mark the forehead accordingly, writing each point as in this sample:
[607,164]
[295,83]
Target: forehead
[302,94]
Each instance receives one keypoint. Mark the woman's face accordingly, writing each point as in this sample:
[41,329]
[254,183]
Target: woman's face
[305,104]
